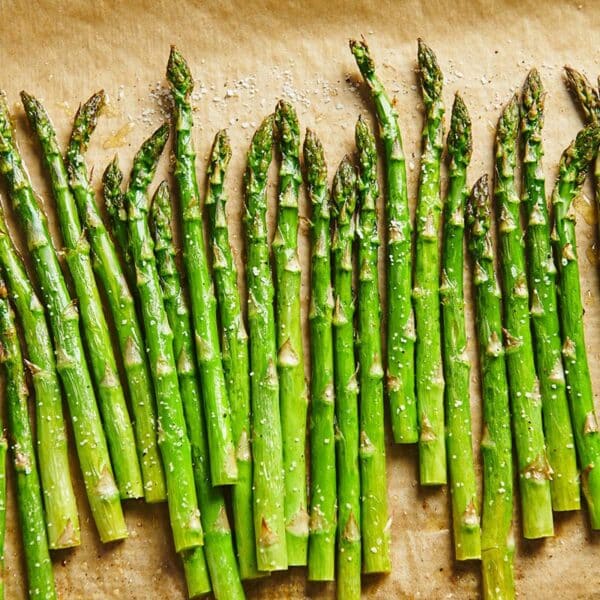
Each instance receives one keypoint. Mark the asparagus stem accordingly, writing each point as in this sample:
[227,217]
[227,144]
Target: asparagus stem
[267,447]
[534,470]
[196,574]
[173,441]
[321,552]
[560,445]
[13,390]
[343,204]
[400,321]
[223,463]
[102,491]
[573,168]
[120,301]
[374,504]
[457,366]
[497,543]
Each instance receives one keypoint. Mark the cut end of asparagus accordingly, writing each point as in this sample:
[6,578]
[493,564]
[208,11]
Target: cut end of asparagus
[288,127]
[478,215]
[219,158]
[533,97]
[314,159]
[431,76]
[363,58]
[508,124]
[460,140]
[587,97]
[343,196]
[178,73]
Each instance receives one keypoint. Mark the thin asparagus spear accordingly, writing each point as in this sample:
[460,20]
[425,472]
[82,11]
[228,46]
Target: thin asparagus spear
[173,441]
[457,365]
[560,445]
[534,471]
[29,495]
[374,505]
[120,301]
[343,204]
[223,463]
[71,365]
[497,542]
[401,328]
[218,542]
[321,550]
[267,446]
[234,344]
[115,416]
[573,168]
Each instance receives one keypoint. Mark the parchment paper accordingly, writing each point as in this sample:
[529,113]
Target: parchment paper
[245,57]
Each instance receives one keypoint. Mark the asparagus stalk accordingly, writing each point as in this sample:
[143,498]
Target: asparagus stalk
[102,491]
[120,301]
[195,572]
[374,504]
[400,321]
[534,470]
[321,551]
[29,496]
[573,168]
[267,446]
[218,542]
[173,441]
[223,463]
[343,204]
[560,446]
[497,542]
[459,444]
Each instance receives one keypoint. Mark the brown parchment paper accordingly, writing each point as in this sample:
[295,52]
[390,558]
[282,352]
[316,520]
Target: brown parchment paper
[245,56]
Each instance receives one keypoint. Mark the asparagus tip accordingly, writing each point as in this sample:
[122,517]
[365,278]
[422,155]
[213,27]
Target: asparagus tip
[479,207]
[460,140]
[219,157]
[533,95]
[314,158]
[344,187]
[431,75]
[588,98]
[178,73]
[508,124]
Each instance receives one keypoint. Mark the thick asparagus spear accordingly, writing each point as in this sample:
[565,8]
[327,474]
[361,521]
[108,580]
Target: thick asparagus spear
[497,543]
[400,322]
[573,168]
[218,542]
[173,441]
[223,463]
[267,446]
[120,301]
[102,491]
[321,550]
[117,424]
[457,365]
[343,204]
[560,446]
[374,505]
[534,470]
[29,495]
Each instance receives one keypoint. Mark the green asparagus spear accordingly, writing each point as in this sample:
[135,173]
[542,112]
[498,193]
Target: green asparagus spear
[573,168]
[223,463]
[374,506]
[267,446]
[497,542]
[560,446]
[195,572]
[400,322]
[101,488]
[534,470]
[173,441]
[321,551]
[457,365]
[218,542]
[29,496]
[343,204]
[120,301]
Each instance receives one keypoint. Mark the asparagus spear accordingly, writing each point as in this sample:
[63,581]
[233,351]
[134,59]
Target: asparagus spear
[573,168]
[343,204]
[560,446]
[267,446]
[120,301]
[465,509]
[117,424]
[223,463]
[534,470]
[173,441]
[374,506]
[218,542]
[195,572]
[321,552]
[497,542]
[400,322]
[102,491]
[29,496]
